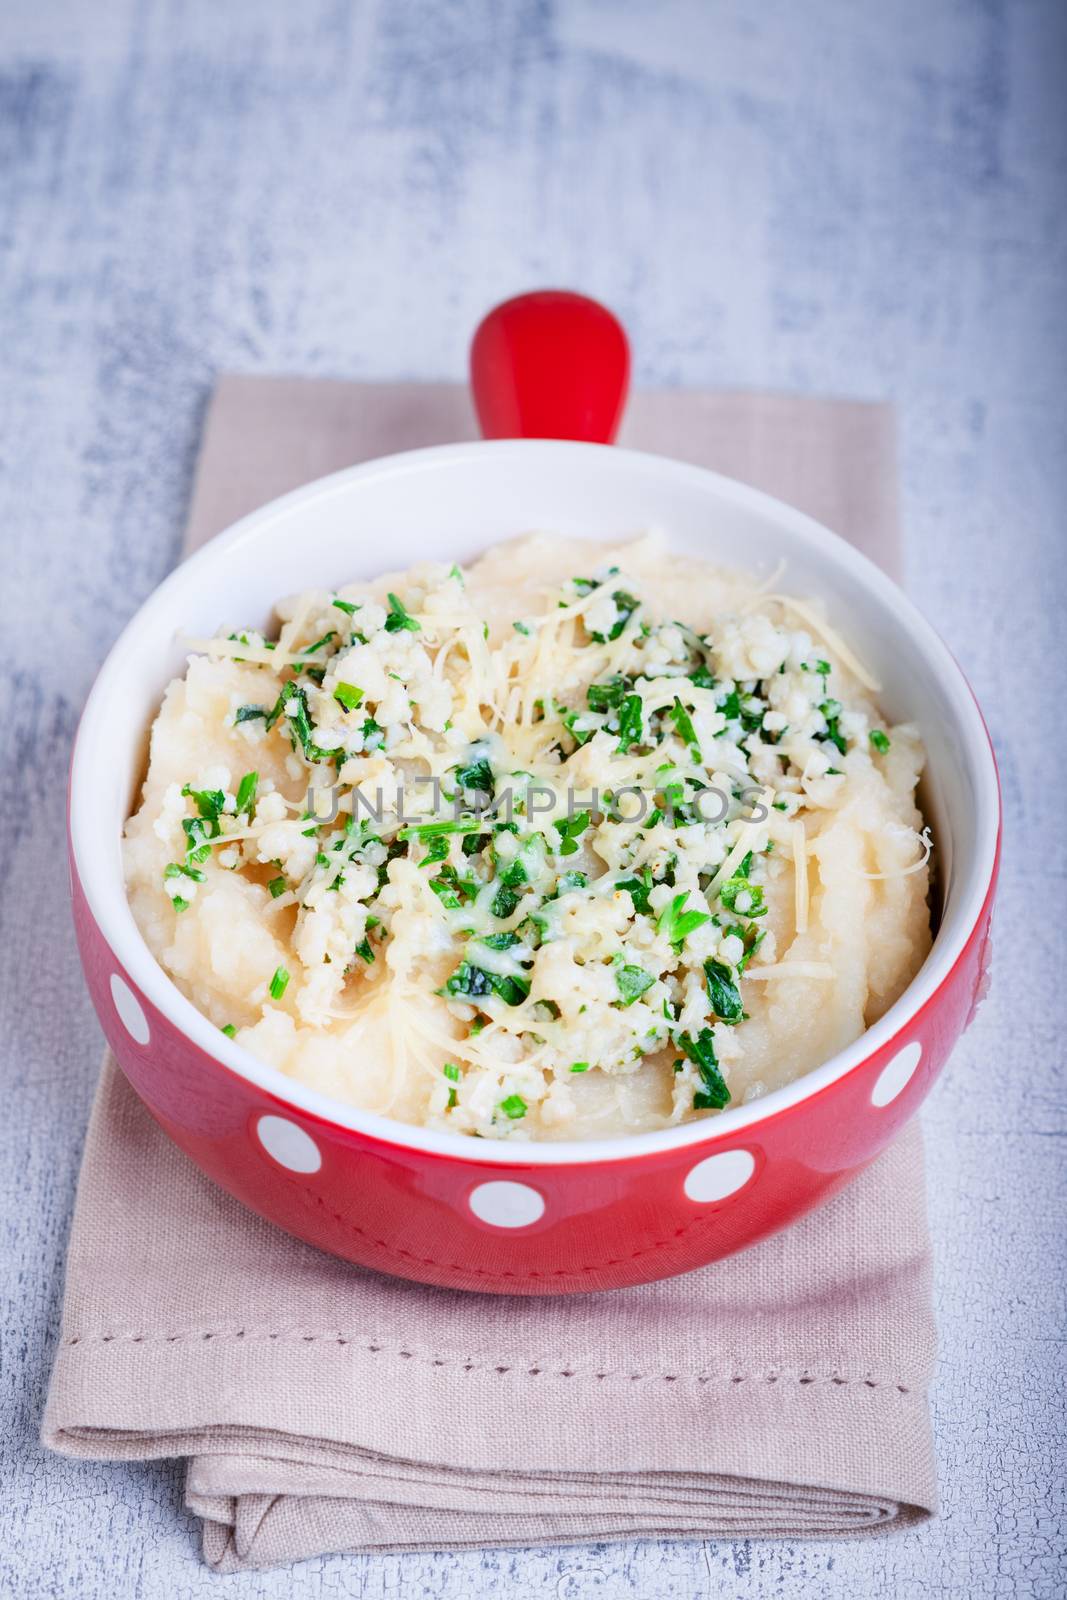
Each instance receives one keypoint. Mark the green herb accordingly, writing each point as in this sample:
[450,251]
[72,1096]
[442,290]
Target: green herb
[182,869]
[579,1066]
[625,605]
[607,696]
[831,710]
[723,992]
[348,695]
[469,982]
[520,627]
[686,732]
[514,1107]
[570,880]
[445,890]
[309,649]
[730,706]
[504,902]
[248,714]
[678,923]
[294,703]
[279,983]
[879,740]
[346,606]
[437,851]
[570,831]
[740,884]
[639,889]
[752,938]
[522,868]
[431,830]
[570,720]
[199,831]
[734,889]
[701,1052]
[364,951]
[229,1030]
[632,983]
[399,618]
[477,776]
[499,941]
[701,678]
[631,723]
[246,793]
[209,802]
[277,886]
[451,1072]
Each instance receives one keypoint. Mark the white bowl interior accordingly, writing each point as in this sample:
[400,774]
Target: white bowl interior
[450,504]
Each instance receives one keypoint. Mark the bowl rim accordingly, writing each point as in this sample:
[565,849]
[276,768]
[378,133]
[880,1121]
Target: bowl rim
[115,922]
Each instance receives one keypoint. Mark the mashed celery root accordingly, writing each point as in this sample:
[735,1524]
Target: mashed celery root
[578,842]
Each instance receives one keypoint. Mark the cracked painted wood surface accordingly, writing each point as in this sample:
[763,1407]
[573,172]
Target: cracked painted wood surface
[828,198]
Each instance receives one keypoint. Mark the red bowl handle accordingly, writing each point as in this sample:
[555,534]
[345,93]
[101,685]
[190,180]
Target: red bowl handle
[550,365]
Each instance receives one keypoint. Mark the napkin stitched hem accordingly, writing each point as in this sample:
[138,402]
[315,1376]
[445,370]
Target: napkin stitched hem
[802,1375]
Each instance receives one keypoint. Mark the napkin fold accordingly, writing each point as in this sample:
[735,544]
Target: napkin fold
[324,1407]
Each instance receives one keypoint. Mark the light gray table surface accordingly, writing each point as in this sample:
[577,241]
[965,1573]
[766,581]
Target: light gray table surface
[830,197]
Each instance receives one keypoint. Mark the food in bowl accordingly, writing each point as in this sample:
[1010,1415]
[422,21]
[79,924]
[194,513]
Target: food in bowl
[533,851]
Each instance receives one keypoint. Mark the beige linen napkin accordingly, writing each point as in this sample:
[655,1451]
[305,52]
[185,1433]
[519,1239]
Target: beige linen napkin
[326,1408]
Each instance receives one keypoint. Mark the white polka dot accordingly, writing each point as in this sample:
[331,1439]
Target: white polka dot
[895,1077]
[289,1145]
[719,1176]
[507,1205]
[128,1007]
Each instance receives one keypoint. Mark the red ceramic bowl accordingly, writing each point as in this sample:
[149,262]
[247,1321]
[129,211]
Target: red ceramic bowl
[524,1218]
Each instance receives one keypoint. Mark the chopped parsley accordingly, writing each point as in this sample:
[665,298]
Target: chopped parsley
[327,638]
[348,695]
[607,696]
[677,923]
[625,606]
[470,982]
[723,992]
[879,741]
[631,723]
[209,802]
[246,793]
[294,702]
[831,710]
[570,831]
[632,983]
[686,732]
[477,776]
[399,618]
[639,889]
[701,1052]
[740,894]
